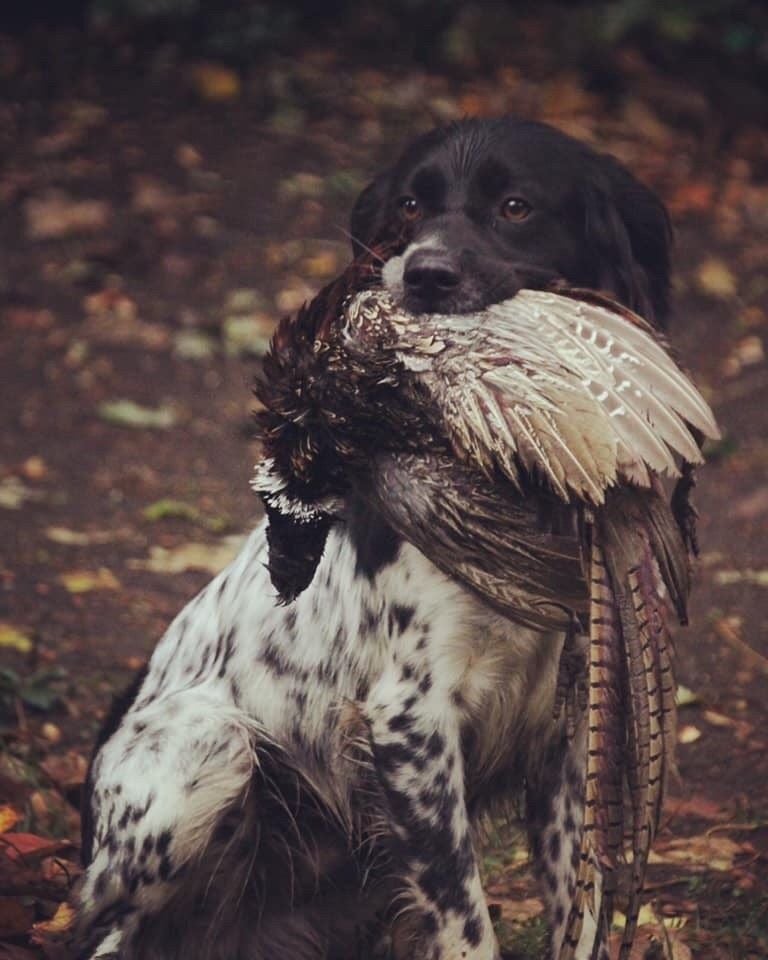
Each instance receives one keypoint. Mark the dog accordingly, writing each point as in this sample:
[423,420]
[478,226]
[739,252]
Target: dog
[308,780]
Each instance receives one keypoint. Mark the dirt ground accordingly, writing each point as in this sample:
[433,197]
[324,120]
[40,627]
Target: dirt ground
[158,213]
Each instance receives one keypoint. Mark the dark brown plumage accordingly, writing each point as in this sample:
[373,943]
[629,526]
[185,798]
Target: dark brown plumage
[520,449]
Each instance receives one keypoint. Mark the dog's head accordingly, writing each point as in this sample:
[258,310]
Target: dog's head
[490,206]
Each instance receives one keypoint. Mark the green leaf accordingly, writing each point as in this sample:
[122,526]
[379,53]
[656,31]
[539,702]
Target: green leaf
[126,413]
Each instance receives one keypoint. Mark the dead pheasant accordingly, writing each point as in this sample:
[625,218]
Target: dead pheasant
[521,450]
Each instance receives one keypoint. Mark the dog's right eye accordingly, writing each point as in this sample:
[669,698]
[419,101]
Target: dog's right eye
[409,208]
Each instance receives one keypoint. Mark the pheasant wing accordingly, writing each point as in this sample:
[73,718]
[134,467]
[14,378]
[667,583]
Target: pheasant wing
[521,555]
[574,391]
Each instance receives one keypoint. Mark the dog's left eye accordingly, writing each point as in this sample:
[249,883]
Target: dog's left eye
[515,208]
[410,208]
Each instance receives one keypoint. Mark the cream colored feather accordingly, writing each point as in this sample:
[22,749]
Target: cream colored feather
[568,389]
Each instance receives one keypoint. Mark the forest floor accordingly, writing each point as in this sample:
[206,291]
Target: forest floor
[158,214]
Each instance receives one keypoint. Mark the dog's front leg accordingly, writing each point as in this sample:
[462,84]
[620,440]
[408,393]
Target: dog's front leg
[415,739]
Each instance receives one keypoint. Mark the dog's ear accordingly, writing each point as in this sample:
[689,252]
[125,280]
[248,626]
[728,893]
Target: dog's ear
[368,213]
[629,230]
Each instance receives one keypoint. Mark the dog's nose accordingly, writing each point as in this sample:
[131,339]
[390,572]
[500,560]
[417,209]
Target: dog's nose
[431,275]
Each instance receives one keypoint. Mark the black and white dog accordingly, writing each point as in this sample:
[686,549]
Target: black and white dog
[306,781]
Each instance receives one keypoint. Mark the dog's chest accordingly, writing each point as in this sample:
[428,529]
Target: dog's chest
[375,613]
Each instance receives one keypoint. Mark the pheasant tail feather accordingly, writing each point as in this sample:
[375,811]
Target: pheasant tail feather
[603,825]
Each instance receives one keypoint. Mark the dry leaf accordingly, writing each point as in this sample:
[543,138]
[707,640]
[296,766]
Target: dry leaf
[78,538]
[684,697]
[67,770]
[84,581]
[215,82]
[212,557]
[13,639]
[8,818]
[712,852]
[59,924]
[688,734]
[57,215]
[18,846]
[715,278]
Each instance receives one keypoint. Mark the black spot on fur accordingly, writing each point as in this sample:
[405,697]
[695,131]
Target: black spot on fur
[401,721]
[163,842]
[473,931]
[426,683]
[402,616]
[554,847]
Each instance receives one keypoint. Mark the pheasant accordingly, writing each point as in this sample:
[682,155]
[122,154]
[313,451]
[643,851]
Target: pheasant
[522,450]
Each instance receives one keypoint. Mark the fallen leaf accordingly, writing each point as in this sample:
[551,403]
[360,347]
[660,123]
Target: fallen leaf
[17,846]
[301,185]
[167,507]
[245,300]
[321,265]
[713,852]
[126,413]
[685,697]
[746,353]
[84,581]
[66,770]
[51,732]
[715,278]
[59,924]
[212,557]
[78,538]
[12,638]
[57,215]
[688,734]
[215,82]
[34,468]
[726,578]
[8,818]
[193,345]
[248,335]
[293,296]
[14,494]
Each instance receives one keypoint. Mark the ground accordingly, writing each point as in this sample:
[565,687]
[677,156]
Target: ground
[158,213]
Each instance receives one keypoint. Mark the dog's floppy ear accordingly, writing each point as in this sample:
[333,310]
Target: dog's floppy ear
[629,230]
[368,213]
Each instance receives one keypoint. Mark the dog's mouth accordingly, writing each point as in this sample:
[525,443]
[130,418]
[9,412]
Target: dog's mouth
[430,280]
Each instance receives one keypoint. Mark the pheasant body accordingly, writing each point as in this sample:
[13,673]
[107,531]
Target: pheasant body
[521,450]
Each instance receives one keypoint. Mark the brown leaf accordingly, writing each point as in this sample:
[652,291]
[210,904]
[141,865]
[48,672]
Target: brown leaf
[28,846]
[710,852]
[66,771]
[58,215]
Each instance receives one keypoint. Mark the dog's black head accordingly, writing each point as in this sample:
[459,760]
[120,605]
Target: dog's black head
[491,206]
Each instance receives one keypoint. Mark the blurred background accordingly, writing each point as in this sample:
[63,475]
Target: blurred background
[176,175]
